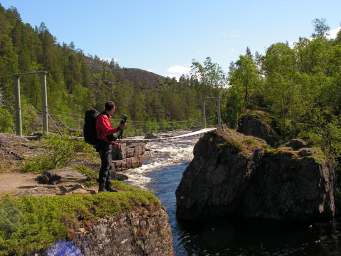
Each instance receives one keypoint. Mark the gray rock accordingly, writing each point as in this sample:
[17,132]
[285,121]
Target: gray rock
[142,231]
[232,174]
[118,176]
[64,175]
[48,177]
[305,152]
[150,136]
[258,124]
[131,155]
[296,144]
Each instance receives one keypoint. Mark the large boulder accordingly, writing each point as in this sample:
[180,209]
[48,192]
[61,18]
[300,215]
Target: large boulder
[213,183]
[290,185]
[258,124]
[237,175]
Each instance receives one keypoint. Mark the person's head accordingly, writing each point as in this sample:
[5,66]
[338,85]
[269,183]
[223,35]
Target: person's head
[110,107]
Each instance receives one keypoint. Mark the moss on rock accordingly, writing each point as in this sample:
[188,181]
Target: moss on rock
[32,223]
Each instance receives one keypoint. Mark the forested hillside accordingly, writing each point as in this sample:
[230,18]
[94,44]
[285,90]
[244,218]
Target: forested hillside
[299,85]
[77,81]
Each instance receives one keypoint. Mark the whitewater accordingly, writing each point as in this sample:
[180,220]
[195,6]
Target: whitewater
[167,149]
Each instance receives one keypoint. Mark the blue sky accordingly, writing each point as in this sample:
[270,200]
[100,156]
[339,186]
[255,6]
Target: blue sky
[164,36]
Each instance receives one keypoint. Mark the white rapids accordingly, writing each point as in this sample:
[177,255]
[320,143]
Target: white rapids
[168,149]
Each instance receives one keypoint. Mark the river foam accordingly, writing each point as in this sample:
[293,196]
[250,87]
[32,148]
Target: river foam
[163,153]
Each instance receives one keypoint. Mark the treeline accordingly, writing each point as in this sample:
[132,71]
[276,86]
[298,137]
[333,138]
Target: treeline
[77,81]
[299,85]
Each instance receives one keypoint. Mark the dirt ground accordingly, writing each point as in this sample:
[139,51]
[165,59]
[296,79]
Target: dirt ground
[11,182]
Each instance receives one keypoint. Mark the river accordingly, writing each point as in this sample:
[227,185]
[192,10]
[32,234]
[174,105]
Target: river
[162,174]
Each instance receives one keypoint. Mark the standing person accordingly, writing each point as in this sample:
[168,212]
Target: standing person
[106,136]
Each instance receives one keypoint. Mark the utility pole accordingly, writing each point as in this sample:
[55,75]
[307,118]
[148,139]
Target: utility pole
[18,123]
[219,111]
[18,116]
[217,101]
[204,113]
[45,108]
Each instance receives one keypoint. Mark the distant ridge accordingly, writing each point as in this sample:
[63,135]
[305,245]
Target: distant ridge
[140,78]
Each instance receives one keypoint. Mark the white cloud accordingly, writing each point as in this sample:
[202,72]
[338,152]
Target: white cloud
[333,32]
[177,71]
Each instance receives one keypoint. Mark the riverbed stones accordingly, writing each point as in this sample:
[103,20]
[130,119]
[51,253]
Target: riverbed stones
[237,175]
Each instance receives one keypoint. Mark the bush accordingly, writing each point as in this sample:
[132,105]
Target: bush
[6,120]
[60,151]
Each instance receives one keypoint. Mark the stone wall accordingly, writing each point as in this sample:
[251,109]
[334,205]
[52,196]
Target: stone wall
[131,155]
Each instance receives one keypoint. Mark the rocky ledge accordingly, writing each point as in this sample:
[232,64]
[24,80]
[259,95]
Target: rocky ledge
[237,175]
[128,222]
[259,124]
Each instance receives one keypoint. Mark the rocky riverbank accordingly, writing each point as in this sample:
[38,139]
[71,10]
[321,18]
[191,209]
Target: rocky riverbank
[49,203]
[128,222]
[237,175]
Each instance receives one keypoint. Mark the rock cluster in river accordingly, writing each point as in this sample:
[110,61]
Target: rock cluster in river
[237,175]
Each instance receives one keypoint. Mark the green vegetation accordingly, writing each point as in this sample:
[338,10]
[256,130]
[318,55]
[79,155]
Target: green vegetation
[298,86]
[6,120]
[91,175]
[29,224]
[58,152]
[77,81]
[239,142]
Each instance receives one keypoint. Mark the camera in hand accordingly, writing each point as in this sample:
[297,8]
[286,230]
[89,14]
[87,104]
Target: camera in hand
[119,133]
[124,119]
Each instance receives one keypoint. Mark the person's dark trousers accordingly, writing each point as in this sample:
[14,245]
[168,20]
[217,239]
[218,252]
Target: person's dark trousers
[105,151]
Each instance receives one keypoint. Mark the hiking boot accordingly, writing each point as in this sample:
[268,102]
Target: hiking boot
[109,188]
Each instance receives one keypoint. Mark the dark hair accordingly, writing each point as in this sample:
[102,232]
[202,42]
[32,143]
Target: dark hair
[109,105]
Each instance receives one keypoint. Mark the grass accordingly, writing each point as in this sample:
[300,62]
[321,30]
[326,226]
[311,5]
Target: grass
[59,152]
[317,154]
[91,175]
[239,142]
[30,224]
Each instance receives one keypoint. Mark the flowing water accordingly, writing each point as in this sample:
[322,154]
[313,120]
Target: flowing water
[163,172]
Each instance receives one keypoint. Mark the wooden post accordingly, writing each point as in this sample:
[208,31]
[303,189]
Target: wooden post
[204,113]
[219,111]
[45,108]
[18,120]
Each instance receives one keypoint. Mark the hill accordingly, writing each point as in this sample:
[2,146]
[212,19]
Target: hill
[77,81]
[140,78]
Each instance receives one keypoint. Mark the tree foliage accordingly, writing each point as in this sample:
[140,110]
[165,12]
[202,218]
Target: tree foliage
[299,85]
[77,81]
